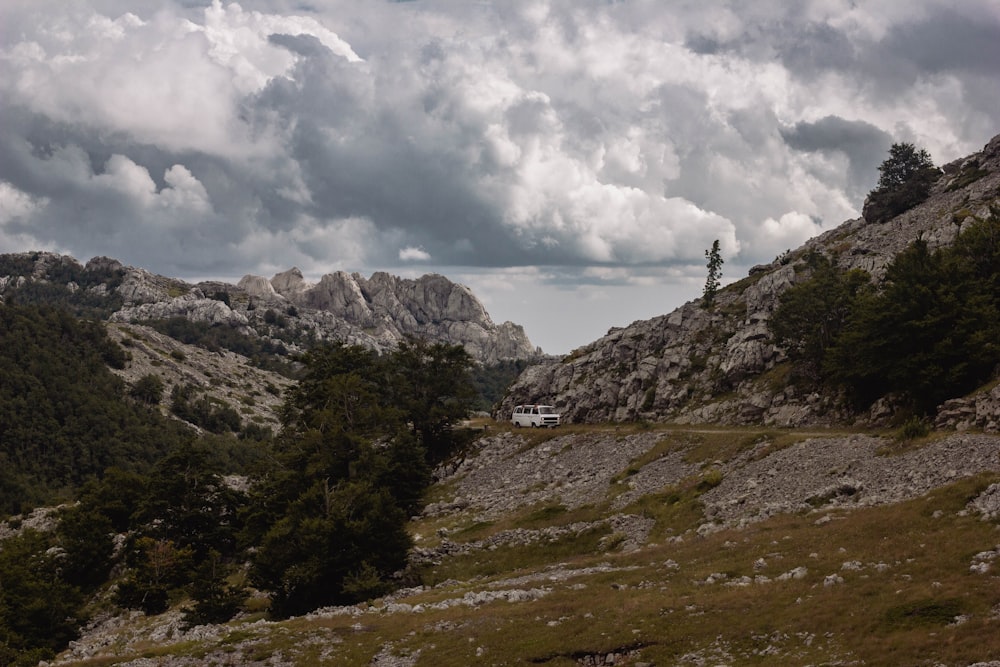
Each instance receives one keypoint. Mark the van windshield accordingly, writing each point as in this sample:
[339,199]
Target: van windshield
[546,410]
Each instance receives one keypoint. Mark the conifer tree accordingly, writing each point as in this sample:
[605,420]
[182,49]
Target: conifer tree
[905,180]
[712,283]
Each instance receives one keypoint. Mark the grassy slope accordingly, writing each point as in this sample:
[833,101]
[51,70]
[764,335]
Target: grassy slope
[905,596]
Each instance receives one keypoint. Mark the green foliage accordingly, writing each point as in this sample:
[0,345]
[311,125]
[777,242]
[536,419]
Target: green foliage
[93,296]
[905,180]
[38,608]
[215,600]
[85,536]
[182,535]
[812,313]
[182,523]
[223,296]
[971,172]
[214,338]
[116,495]
[203,411]
[331,535]
[913,429]
[977,252]
[64,417]
[154,567]
[353,459]
[273,317]
[713,281]
[649,398]
[492,381]
[148,389]
[187,502]
[430,383]
[931,333]
[710,479]
[927,613]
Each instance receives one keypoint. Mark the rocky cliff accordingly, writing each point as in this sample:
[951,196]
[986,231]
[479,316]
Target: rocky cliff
[721,365]
[377,312]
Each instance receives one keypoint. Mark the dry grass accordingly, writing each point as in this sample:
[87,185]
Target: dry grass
[899,607]
[887,585]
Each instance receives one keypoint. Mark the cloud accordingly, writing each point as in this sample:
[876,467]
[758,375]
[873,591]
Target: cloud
[411,254]
[588,138]
[864,146]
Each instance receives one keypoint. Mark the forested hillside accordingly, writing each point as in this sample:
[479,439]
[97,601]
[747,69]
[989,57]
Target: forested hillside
[64,416]
[162,513]
[929,333]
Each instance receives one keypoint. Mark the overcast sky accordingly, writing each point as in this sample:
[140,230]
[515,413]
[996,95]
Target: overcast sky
[569,160]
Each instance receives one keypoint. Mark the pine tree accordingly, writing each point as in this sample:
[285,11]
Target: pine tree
[905,180]
[712,283]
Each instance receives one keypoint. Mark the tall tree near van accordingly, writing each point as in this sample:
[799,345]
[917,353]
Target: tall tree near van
[713,281]
[432,385]
[353,458]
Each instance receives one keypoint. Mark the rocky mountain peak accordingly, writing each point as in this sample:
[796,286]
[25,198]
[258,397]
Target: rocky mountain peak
[290,282]
[377,312]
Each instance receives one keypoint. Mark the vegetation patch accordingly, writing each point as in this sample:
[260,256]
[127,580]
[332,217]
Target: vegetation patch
[970,173]
[926,334]
[922,614]
[513,559]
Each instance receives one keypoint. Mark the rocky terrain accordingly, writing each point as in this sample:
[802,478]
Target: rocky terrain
[755,478]
[698,365]
[286,310]
[226,377]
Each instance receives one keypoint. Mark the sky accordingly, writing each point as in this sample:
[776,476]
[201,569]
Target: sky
[570,161]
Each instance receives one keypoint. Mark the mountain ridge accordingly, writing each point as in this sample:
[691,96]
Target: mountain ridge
[376,313]
[721,365]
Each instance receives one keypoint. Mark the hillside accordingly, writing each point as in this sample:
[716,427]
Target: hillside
[657,546]
[723,364]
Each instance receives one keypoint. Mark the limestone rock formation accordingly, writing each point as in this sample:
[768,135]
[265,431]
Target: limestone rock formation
[193,306]
[695,365]
[377,312]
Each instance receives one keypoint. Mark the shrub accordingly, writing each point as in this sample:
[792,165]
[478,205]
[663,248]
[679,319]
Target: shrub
[913,429]
[148,389]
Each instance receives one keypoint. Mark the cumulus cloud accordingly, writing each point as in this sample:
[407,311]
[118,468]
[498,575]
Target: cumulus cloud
[411,254]
[588,138]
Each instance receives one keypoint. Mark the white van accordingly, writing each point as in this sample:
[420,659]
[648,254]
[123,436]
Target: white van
[535,415]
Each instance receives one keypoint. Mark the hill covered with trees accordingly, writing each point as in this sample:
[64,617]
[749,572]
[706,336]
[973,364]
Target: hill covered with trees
[318,510]
[64,416]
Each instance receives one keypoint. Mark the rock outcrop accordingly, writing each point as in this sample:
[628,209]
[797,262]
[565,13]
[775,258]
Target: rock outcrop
[722,365]
[377,312]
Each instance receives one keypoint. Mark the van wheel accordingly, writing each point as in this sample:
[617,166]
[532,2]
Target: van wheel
[517,424]
[533,424]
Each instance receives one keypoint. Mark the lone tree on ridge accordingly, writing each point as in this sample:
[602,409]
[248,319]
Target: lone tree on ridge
[905,180]
[713,281]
